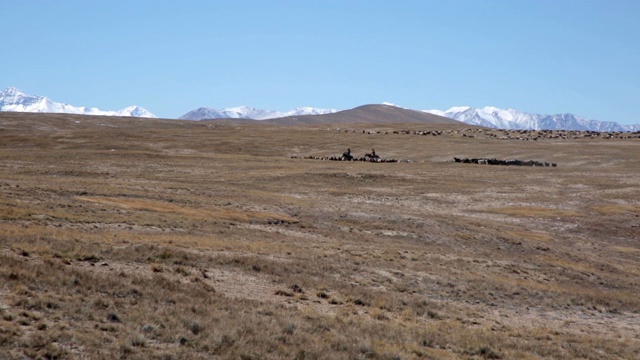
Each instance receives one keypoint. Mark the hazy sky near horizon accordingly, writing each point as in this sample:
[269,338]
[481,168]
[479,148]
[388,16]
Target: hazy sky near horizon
[170,57]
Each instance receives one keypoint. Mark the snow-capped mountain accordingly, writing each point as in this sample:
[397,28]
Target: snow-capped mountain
[134,111]
[12,99]
[494,117]
[246,112]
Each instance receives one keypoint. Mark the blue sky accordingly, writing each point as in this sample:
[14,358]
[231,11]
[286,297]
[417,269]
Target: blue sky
[538,56]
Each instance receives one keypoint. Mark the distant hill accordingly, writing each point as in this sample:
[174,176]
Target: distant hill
[370,114]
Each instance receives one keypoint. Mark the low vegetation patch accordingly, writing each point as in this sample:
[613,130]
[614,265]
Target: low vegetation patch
[533,211]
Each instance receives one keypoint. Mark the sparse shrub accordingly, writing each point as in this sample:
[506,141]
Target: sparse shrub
[306,355]
[101,303]
[207,287]
[92,258]
[138,341]
[289,329]
[379,315]
[360,302]
[426,343]
[13,276]
[53,352]
[266,312]
[182,271]
[195,328]
[113,317]
[486,352]
[147,329]
[52,305]
[284,293]
[433,315]
[108,328]
[366,352]
[126,350]
[165,254]
[22,290]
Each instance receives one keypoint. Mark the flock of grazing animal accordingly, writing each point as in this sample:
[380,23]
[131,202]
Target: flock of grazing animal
[487,161]
[346,156]
[526,135]
[360,158]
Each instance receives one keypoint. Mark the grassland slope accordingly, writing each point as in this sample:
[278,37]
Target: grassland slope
[158,239]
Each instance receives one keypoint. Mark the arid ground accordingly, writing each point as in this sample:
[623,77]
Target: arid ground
[158,239]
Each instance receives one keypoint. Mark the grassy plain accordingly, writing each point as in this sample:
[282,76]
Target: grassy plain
[152,239]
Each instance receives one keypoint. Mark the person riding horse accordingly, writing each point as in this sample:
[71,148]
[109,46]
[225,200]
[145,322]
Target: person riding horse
[347,155]
[372,155]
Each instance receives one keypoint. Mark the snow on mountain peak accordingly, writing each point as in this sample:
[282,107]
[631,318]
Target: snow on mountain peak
[11,95]
[247,112]
[494,117]
[135,111]
[241,109]
[10,91]
[304,108]
[308,110]
[457,109]
[435,112]
[12,99]
[490,109]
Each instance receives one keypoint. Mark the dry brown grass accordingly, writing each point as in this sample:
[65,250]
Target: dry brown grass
[533,211]
[617,209]
[146,239]
[157,206]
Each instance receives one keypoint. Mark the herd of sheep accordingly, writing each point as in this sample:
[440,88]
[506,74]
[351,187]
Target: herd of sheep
[527,135]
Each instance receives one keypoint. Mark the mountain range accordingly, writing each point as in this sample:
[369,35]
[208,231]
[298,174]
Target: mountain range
[246,112]
[12,99]
[487,116]
[494,117]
